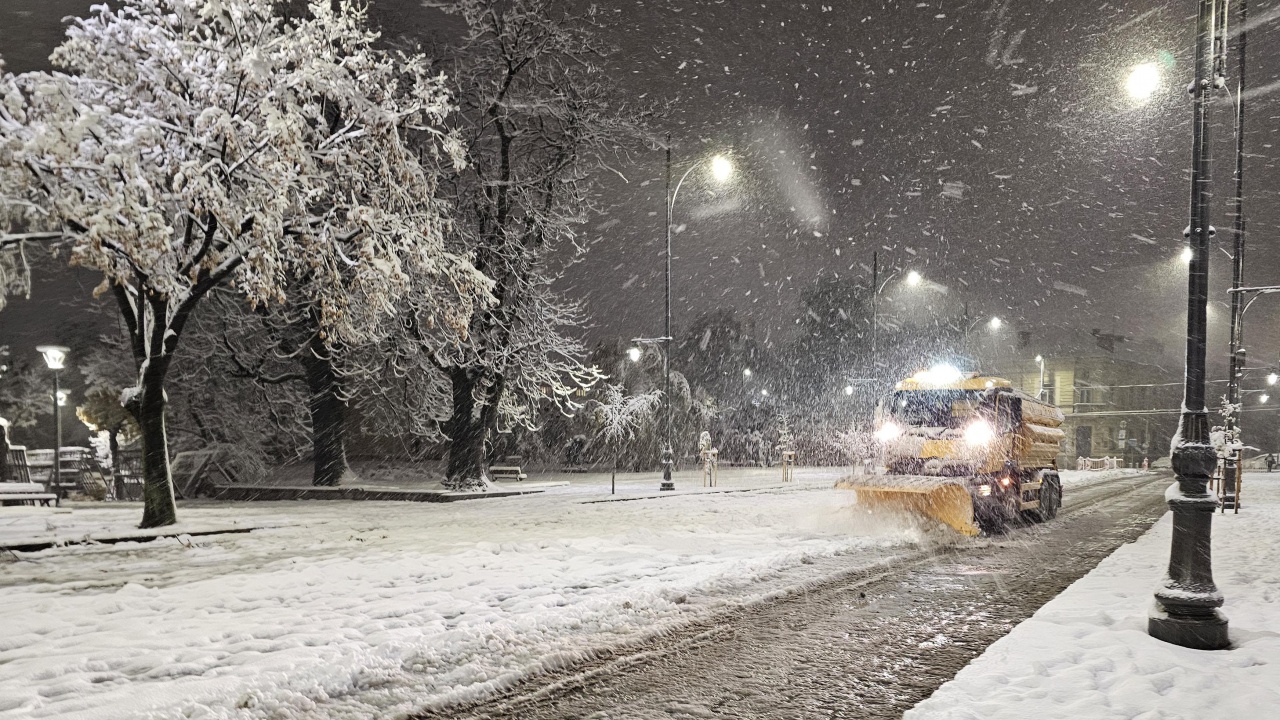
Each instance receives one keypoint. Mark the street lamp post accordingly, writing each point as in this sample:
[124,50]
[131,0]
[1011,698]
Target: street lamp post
[55,356]
[1040,391]
[721,168]
[1236,335]
[1187,601]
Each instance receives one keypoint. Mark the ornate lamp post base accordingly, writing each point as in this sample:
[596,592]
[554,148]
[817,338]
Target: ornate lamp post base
[1186,611]
[1207,632]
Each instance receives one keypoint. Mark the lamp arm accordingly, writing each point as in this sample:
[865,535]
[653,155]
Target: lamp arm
[672,204]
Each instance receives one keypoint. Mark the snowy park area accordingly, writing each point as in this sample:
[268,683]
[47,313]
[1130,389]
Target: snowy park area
[1086,654]
[355,610]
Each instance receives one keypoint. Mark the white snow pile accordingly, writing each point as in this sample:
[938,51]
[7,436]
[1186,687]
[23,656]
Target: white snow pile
[1086,654]
[375,610]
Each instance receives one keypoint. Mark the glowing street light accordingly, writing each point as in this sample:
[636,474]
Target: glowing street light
[1272,378]
[55,356]
[1143,81]
[995,323]
[1187,255]
[634,353]
[1263,397]
[764,393]
[848,389]
[914,278]
[721,168]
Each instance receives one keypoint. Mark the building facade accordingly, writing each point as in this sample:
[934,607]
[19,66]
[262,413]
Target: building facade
[1113,407]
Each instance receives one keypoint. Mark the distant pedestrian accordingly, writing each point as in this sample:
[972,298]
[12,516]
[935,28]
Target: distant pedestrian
[1271,462]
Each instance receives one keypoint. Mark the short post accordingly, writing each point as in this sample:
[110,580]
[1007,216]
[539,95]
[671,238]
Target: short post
[788,466]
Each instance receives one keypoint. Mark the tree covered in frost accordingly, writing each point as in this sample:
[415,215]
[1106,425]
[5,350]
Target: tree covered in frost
[538,125]
[192,143]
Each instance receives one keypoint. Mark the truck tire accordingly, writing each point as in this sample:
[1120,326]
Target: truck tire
[993,518]
[1050,499]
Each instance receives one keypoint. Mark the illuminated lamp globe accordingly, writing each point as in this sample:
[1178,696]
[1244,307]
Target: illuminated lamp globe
[1143,81]
[721,168]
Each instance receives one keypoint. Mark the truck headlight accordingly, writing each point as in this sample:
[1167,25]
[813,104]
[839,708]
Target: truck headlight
[888,431]
[979,433]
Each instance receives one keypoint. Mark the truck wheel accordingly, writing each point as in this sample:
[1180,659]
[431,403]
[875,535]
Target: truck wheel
[993,518]
[1050,499]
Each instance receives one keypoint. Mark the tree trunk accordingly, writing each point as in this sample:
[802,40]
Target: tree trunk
[468,467]
[113,447]
[328,416]
[159,508]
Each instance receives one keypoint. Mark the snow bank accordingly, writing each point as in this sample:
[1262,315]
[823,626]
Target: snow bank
[360,610]
[1086,654]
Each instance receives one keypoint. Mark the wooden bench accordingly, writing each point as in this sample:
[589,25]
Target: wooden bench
[507,472]
[17,493]
[19,472]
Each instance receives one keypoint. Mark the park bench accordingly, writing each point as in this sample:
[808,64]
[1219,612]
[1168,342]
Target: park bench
[18,470]
[78,469]
[507,472]
[23,493]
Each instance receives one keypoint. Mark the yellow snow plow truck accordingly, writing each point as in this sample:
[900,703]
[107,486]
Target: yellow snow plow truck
[967,450]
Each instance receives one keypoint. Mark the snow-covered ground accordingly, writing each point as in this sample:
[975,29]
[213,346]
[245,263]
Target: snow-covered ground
[1086,654]
[359,610]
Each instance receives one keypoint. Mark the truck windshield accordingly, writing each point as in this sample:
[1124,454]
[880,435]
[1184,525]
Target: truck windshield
[934,408]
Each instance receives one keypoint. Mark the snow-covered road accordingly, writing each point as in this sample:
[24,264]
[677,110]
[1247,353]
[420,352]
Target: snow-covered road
[359,610]
[866,646]
[375,609]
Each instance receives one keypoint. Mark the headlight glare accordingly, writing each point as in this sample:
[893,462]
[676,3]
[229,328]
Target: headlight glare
[888,431]
[979,432]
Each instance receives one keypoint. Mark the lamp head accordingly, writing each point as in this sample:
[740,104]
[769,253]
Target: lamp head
[1143,81]
[721,168]
[55,356]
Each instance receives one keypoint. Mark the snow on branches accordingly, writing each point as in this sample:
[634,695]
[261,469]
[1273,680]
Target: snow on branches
[538,123]
[190,143]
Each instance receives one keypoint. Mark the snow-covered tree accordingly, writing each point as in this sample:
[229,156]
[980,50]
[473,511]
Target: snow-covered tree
[538,124]
[786,441]
[193,143]
[618,416]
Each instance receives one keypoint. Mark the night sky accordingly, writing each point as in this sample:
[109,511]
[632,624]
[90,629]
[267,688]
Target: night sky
[989,144]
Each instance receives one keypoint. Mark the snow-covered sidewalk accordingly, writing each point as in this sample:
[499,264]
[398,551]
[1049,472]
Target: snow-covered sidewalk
[1086,654]
[376,609]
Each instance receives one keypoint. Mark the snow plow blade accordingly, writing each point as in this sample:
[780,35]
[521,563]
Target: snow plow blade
[943,499]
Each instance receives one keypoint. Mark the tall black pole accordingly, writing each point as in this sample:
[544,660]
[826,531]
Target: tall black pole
[1187,602]
[1230,497]
[668,454]
[875,295]
[57,436]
